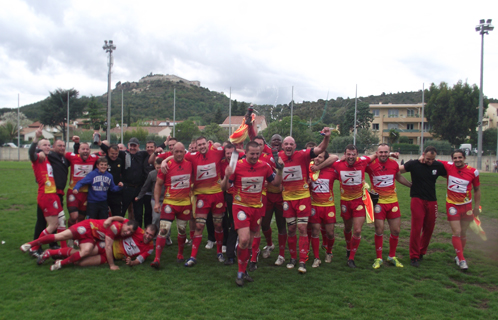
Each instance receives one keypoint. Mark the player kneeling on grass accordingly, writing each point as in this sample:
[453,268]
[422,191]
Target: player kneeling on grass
[248,179]
[100,181]
[87,232]
[461,179]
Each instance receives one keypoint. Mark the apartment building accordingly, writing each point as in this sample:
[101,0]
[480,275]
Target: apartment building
[405,118]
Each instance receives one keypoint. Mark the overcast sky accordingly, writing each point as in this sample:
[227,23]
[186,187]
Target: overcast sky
[259,49]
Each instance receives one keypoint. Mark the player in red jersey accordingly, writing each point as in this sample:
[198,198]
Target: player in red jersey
[248,182]
[87,232]
[274,203]
[461,180]
[48,200]
[351,175]
[207,177]
[266,158]
[322,208]
[176,203]
[296,195]
[81,164]
[384,172]
[139,246]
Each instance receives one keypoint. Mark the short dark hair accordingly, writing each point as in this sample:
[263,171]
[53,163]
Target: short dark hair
[326,155]
[114,147]
[431,149]
[133,223]
[459,151]
[228,146]
[252,144]
[150,141]
[310,144]
[350,147]
[101,160]
[153,228]
[260,138]
[158,160]
[200,138]
[173,139]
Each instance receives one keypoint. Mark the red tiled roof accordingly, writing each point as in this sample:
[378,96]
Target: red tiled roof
[238,120]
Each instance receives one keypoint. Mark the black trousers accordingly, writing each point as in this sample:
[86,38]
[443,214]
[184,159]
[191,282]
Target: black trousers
[97,210]
[114,202]
[232,233]
[129,195]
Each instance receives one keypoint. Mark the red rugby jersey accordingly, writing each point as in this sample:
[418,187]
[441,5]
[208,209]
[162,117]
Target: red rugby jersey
[177,183]
[383,179]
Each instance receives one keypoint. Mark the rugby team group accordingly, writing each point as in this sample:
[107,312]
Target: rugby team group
[236,190]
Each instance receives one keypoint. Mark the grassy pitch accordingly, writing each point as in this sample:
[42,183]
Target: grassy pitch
[436,290]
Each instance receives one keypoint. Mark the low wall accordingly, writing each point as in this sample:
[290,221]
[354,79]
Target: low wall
[14,154]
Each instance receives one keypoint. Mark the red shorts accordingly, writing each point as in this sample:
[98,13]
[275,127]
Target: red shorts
[322,215]
[76,200]
[457,212]
[246,217]
[297,208]
[384,211]
[50,204]
[82,232]
[214,203]
[274,201]
[169,212]
[352,209]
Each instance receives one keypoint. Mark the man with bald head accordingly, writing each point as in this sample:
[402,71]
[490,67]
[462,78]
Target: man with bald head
[82,163]
[296,195]
[176,204]
[48,200]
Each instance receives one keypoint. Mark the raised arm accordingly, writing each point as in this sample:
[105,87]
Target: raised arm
[325,142]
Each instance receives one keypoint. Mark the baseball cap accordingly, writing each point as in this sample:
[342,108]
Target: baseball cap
[134,141]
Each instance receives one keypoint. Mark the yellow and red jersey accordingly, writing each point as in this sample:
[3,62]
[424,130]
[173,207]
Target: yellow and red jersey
[322,189]
[80,168]
[133,246]
[295,175]
[165,155]
[460,182]
[44,175]
[351,177]
[177,183]
[206,170]
[248,182]
[99,232]
[271,162]
[382,178]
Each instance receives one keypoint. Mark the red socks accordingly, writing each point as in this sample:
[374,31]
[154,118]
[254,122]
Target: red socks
[181,243]
[355,243]
[457,244]
[72,258]
[393,244]
[292,246]
[160,244]
[303,248]
[218,236]
[243,258]
[255,248]
[196,243]
[379,239]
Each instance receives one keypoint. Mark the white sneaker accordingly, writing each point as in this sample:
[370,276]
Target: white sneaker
[316,263]
[25,247]
[56,265]
[292,263]
[209,244]
[463,265]
[70,243]
[328,257]
[267,250]
[224,249]
[280,261]
[457,261]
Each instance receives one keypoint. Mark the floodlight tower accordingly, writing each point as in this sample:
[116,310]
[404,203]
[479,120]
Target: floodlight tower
[482,28]
[108,47]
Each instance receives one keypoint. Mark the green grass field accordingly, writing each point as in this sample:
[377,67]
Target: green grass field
[438,289]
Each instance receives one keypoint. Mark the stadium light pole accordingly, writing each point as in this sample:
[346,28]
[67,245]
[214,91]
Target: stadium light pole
[109,47]
[482,28]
